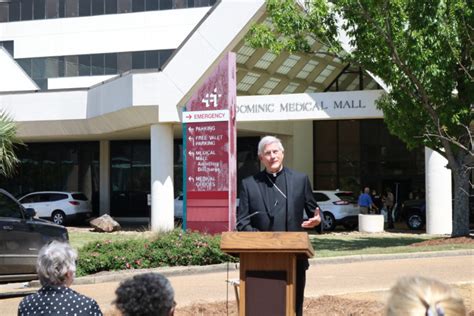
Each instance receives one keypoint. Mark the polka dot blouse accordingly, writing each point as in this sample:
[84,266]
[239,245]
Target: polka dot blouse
[58,300]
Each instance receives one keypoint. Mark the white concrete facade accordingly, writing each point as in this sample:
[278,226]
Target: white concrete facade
[148,105]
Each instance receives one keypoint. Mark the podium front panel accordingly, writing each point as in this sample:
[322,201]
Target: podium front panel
[266,293]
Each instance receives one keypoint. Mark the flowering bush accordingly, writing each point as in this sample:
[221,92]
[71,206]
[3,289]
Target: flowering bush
[176,248]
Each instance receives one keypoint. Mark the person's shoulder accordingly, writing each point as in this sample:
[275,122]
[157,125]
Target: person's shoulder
[83,298]
[295,173]
[253,178]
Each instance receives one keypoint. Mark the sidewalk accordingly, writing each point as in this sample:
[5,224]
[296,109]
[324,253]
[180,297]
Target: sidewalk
[21,289]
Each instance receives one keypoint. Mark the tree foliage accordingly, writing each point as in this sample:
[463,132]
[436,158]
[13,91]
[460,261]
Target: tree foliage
[8,142]
[423,51]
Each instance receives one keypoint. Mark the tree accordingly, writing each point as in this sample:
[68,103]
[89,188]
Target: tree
[8,142]
[422,50]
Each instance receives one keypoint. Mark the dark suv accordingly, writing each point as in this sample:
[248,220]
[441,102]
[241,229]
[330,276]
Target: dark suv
[21,237]
[414,212]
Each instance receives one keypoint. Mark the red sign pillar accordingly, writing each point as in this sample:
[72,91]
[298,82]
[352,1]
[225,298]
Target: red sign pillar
[210,151]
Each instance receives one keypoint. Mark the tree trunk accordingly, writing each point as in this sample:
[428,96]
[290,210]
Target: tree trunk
[461,202]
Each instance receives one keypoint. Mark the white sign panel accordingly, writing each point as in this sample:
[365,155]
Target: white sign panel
[309,106]
[205,116]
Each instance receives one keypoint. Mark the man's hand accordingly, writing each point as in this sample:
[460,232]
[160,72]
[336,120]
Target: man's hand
[313,221]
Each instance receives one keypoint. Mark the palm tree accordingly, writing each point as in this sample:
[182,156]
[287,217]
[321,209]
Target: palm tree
[8,144]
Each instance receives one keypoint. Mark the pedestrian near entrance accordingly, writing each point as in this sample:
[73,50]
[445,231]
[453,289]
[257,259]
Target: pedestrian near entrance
[275,199]
[365,202]
[56,266]
[388,201]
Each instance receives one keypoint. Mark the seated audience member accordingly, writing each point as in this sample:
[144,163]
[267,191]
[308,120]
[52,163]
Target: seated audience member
[56,266]
[148,294]
[419,296]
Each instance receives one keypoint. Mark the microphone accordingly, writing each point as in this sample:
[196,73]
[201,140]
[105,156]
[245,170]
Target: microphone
[245,218]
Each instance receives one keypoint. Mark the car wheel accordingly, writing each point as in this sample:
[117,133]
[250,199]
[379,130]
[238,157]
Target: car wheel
[329,221]
[58,217]
[415,221]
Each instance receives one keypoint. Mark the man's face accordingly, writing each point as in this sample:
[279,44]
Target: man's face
[272,158]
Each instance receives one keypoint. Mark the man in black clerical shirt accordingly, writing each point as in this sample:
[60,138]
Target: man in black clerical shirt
[275,199]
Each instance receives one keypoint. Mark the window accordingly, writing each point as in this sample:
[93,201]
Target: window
[52,67]
[8,45]
[138,60]
[25,64]
[110,6]
[71,66]
[346,196]
[39,9]
[151,5]
[38,68]
[72,8]
[320,197]
[124,62]
[8,207]
[166,4]
[52,9]
[79,196]
[84,65]
[14,11]
[178,4]
[97,7]
[52,197]
[33,198]
[62,8]
[110,64]
[138,5]
[152,59]
[85,7]
[26,10]
[124,6]
[97,64]
[3,12]
[164,56]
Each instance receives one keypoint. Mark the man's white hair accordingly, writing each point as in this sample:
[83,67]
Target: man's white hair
[267,140]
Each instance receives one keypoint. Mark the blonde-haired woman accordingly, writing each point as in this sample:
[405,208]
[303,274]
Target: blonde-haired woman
[420,296]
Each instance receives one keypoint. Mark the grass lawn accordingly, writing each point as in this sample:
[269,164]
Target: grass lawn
[326,245]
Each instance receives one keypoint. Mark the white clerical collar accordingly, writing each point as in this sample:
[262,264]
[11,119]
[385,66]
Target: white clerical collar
[275,174]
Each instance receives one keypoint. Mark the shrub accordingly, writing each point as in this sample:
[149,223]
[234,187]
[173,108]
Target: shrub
[165,249]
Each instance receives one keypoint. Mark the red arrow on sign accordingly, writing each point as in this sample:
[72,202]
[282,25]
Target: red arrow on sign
[189,116]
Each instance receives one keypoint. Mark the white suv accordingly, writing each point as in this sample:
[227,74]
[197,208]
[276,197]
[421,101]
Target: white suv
[58,207]
[338,207]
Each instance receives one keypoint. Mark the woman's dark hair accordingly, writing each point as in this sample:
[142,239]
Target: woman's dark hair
[145,295]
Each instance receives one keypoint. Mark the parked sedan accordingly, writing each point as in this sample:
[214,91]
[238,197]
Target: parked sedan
[21,238]
[58,207]
[338,207]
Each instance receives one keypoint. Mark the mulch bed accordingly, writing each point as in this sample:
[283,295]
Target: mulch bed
[446,241]
[324,305]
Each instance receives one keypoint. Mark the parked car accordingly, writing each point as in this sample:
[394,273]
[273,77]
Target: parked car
[178,208]
[21,238]
[338,208]
[59,207]
[413,212]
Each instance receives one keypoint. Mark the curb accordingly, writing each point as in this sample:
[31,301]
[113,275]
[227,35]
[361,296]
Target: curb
[117,276]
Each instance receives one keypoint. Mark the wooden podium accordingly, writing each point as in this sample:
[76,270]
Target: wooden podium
[267,269]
